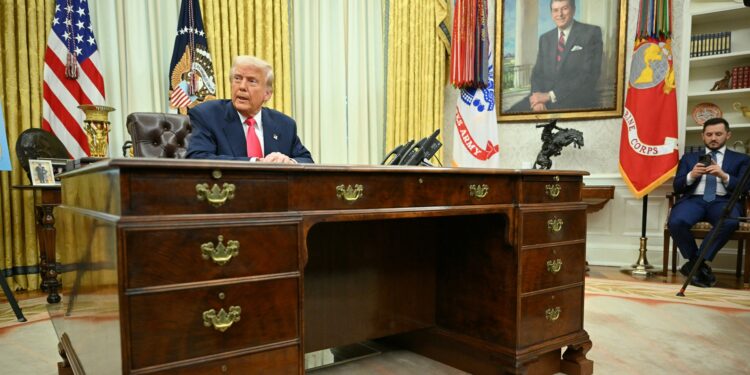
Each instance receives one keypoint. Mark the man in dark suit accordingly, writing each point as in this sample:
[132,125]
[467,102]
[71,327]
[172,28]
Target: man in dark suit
[568,64]
[241,129]
[705,181]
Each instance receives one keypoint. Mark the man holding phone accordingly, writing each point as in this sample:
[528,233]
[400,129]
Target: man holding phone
[705,181]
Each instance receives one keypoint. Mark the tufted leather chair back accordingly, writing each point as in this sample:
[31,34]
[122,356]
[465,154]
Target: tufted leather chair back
[159,135]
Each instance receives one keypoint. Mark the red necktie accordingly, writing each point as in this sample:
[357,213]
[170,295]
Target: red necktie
[253,144]
[560,46]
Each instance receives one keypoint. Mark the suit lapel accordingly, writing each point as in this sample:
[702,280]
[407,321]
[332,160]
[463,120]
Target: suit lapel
[570,41]
[270,133]
[234,131]
[728,162]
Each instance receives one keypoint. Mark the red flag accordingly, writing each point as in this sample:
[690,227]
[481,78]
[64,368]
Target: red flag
[648,143]
[72,75]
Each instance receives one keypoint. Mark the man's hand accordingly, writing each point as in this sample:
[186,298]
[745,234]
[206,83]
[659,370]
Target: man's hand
[276,157]
[539,98]
[539,107]
[715,169]
[698,171]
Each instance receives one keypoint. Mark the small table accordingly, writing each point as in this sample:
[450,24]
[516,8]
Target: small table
[597,196]
[45,230]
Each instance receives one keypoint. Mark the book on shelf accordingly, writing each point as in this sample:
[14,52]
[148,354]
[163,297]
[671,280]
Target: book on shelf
[740,77]
[710,44]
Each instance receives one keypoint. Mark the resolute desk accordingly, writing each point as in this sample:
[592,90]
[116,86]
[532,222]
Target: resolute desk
[188,267]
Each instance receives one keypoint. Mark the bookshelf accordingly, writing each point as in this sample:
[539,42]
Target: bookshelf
[700,73]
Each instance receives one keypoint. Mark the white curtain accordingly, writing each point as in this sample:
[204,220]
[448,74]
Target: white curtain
[135,40]
[339,79]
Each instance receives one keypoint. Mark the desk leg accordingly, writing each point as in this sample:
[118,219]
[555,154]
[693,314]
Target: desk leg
[47,262]
[574,361]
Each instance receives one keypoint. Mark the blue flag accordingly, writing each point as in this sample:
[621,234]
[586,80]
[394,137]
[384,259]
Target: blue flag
[191,72]
[4,150]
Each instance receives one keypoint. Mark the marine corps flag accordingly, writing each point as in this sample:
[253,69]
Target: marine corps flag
[191,72]
[648,142]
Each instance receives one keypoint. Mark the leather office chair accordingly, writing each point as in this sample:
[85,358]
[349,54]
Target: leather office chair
[159,135]
[701,229]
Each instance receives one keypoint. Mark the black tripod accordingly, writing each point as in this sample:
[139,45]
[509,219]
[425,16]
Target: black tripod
[741,187]
[12,299]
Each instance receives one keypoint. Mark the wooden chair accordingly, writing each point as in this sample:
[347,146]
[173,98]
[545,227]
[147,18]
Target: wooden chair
[700,230]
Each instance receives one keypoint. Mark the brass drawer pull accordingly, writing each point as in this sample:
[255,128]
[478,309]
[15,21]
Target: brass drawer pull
[222,320]
[552,191]
[220,254]
[478,191]
[349,193]
[555,224]
[216,196]
[554,266]
[552,314]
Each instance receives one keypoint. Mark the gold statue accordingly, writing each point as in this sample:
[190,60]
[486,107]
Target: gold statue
[97,128]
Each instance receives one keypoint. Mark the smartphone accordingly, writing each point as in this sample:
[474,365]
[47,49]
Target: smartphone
[705,159]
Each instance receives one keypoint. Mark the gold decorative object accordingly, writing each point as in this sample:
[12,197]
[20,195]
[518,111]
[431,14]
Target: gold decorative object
[216,196]
[222,320]
[554,266]
[552,191]
[745,110]
[552,314]
[350,194]
[478,191]
[555,224]
[220,254]
[97,128]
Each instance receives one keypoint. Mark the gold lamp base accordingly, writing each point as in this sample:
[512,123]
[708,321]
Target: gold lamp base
[97,128]
[641,268]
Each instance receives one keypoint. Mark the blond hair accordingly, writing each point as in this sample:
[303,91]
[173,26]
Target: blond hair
[252,61]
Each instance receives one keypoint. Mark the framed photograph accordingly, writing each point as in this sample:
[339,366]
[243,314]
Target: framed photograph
[560,59]
[58,166]
[42,173]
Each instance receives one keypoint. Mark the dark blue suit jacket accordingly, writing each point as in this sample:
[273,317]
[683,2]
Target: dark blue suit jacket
[575,80]
[734,164]
[218,133]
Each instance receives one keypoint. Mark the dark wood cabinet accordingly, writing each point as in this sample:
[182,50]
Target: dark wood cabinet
[182,267]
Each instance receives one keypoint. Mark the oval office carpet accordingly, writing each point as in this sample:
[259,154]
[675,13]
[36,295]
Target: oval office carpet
[636,328]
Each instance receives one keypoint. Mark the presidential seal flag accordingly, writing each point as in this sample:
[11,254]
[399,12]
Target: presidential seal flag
[72,75]
[475,133]
[191,72]
[648,140]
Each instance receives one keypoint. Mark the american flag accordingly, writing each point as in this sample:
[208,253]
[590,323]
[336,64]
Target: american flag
[72,75]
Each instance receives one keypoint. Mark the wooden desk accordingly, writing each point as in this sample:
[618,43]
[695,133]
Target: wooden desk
[480,269]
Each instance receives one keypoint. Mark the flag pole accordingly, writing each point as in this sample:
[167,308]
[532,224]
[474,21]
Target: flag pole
[641,267]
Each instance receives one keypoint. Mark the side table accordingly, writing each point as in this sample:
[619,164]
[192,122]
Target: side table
[45,230]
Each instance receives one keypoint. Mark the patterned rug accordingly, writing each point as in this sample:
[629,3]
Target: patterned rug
[731,299]
[636,328]
[643,328]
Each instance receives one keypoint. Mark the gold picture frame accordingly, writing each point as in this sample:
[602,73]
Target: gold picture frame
[42,173]
[517,58]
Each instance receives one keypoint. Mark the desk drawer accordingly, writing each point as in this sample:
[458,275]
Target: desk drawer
[550,189]
[540,227]
[552,266]
[176,194]
[173,256]
[550,315]
[174,321]
[280,361]
[393,190]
